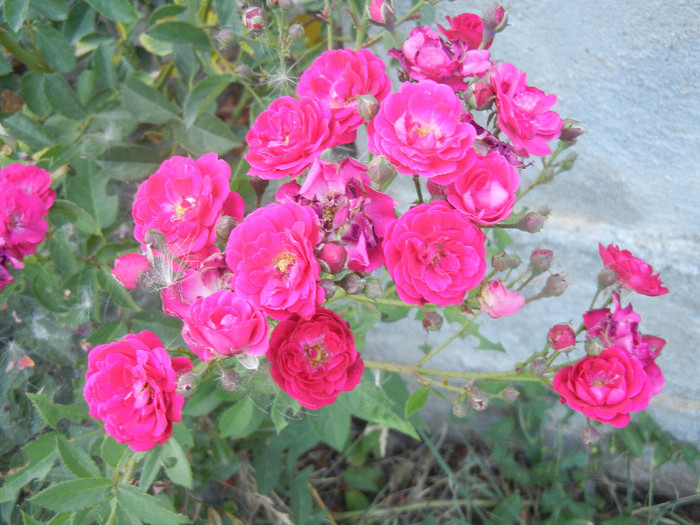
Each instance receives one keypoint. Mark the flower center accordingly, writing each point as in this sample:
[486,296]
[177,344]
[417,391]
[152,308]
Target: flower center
[316,354]
[283,262]
[182,207]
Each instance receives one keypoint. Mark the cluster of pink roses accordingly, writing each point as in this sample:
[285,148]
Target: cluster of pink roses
[619,375]
[25,199]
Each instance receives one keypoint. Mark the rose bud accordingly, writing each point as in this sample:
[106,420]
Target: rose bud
[296,32]
[539,366]
[568,163]
[380,170]
[505,261]
[570,131]
[129,268]
[590,436]
[373,288]
[479,95]
[510,394]
[381,12]
[224,226]
[352,283]
[254,18]
[477,398]
[329,287]
[556,284]
[607,278]
[562,337]
[432,322]
[332,257]
[243,71]
[495,21]
[459,409]
[541,260]
[367,106]
[531,222]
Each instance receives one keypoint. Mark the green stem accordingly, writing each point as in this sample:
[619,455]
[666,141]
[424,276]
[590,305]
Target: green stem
[419,371]
[33,62]
[454,336]
[380,300]
[416,182]
[329,25]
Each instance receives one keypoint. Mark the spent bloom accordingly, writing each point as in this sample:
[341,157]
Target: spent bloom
[631,272]
[314,359]
[130,385]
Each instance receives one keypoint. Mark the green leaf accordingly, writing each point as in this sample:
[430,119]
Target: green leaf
[151,467]
[86,85]
[485,343]
[164,326]
[146,507]
[15,12]
[45,407]
[62,97]
[416,401]
[73,495]
[55,48]
[331,424]
[167,11]
[177,32]
[45,287]
[102,59]
[111,451]
[128,162]
[147,104]
[51,9]
[42,454]
[363,478]
[300,496]
[203,95]
[116,290]
[115,10]
[177,466]
[76,459]
[207,134]
[88,190]
[75,215]
[24,129]
[240,420]
[28,520]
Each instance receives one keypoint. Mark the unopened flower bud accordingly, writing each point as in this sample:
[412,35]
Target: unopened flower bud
[352,283]
[373,288]
[432,322]
[380,170]
[459,409]
[546,175]
[568,162]
[570,131]
[329,287]
[594,346]
[555,286]
[129,268]
[505,261]
[531,222]
[607,278]
[254,18]
[259,185]
[541,260]
[332,257]
[224,227]
[496,19]
[187,382]
[296,32]
[590,436]
[381,12]
[477,398]
[225,37]
[562,337]
[243,71]
[539,366]
[480,95]
[229,380]
[367,106]
[510,394]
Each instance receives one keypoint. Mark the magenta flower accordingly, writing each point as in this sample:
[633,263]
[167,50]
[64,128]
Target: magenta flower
[562,337]
[420,130]
[271,254]
[129,267]
[337,77]
[523,112]
[314,359]
[434,254]
[606,387]
[466,28]
[631,272]
[183,200]
[497,301]
[486,191]
[130,385]
[23,224]
[288,136]
[224,324]
[31,179]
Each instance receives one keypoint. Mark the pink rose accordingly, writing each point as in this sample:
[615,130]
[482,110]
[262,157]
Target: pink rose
[337,77]
[128,269]
[6,260]
[352,213]
[497,301]
[381,12]
[288,136]
[523,112]
[183,200]
[225,324]
[271,254]
[486,191]
[562,337]
[466,28]
[606,387]
[420,130]
[631,272]
[314,360]
[23,224]
[31,179]
[434,254]
[130,385]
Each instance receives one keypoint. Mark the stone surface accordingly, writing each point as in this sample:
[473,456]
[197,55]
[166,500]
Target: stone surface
[631,76]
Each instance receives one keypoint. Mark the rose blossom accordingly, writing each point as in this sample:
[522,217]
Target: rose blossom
[130,385]
[183,200]
[420,130]
[381,12]
[486,191]
[23,224]
[351,213]
[466,28]
[562,337]
[434,254]
[497,301]
[288,136]
[606,387]
[314,360]
[225,324]
[631,272]
[523,111]
[129,267]
[337,77]
[271,254]
[31,179]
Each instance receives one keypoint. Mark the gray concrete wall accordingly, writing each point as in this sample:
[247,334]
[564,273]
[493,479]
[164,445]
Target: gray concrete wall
[630,71]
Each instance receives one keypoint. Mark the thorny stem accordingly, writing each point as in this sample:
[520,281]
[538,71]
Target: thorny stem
[454,336]
[380,300]
[419,192]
